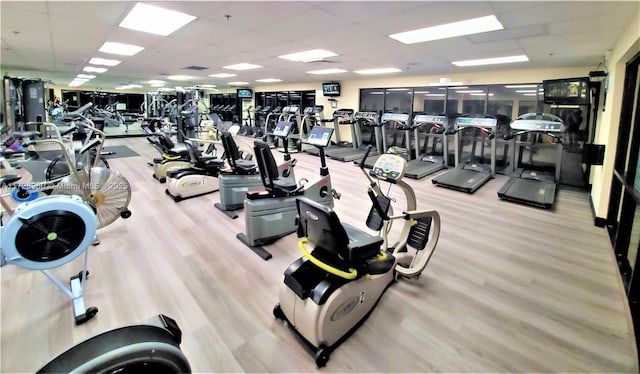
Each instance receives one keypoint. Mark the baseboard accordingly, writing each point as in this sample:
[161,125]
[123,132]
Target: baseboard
[597,221]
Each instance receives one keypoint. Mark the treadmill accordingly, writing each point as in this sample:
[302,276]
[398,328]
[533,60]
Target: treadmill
[340,117]
[469,176]
[532,185]
[395,119]
[360,119]
[426,163]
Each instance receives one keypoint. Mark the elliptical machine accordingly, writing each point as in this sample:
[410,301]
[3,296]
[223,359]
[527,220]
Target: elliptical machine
[271,213]
[329,292]
[171,156]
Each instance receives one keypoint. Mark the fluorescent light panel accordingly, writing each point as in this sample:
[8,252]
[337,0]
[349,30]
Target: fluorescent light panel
[207,85]
[326,71]
[93,69]
[104,61]
[242,66]
[157,85]
[529,94]
[120,48]
[492,61]
[155,81]
[308,56]
[377,71]
[526,91]
[155,20]
[88,76]
[449,30]
[269,80]
[397,89]
[223,75]
[180,77]
[238,83]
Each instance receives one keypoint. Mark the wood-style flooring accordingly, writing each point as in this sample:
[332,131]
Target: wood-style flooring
[509,289]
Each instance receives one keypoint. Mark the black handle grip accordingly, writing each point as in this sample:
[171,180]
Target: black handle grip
[69,130]
[366,154]
[377,206]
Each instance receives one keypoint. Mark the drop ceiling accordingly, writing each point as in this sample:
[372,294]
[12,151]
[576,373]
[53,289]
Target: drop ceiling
[55,40]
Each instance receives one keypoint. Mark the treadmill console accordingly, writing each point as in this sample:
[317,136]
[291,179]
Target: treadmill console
[389,168]
[294,109]
[320,136]
[282,129]
[538,122]
[344,113]
[424,118]
[397,117]
[476,122]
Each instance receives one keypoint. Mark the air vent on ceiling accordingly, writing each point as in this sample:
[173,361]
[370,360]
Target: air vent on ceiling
[323,61]
[195,67]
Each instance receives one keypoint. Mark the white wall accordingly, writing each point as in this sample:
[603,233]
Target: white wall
[609,120]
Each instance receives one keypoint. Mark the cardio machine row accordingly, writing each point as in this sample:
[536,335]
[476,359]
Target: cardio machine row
[423,142]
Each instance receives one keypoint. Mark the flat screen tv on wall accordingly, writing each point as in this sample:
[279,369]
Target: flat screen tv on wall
[569,91]
[244,93]
[331,89]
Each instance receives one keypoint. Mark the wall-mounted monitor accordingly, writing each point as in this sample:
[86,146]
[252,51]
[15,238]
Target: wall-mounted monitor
[569,91]
[331,89]
[244,93]
[121,106]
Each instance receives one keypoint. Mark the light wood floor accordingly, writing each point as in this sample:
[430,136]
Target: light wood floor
[509,288]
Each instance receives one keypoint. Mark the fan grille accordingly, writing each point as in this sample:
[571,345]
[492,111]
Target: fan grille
[50,236]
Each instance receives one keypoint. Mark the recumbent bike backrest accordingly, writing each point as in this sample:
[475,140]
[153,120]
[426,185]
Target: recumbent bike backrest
[230,148]
[321,225]
[266,164]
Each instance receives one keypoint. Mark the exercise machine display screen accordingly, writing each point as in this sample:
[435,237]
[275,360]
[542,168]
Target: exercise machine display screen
[389,167]
[320,136]
[423,118]
[538,125]
[282,128]
[397,117]
[476,122]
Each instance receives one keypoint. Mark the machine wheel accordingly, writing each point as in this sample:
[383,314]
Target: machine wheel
[277,312]
[322,356]
[154,174]
[125,214]
[177,199]
[80,275]
[167,192]
[163,180]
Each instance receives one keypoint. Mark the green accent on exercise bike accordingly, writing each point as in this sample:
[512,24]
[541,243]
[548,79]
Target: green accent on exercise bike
[52,236]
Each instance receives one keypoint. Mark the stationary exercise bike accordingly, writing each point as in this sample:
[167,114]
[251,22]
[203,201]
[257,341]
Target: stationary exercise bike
[47,233]
[235,181]
[271,213]
[329,292]
[199,179]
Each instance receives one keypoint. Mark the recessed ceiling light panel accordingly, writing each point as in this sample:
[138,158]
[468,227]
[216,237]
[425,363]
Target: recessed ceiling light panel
[155,20]
[269,80]
[238,83]
[308,56]
[155,81]
[120,48]
[449,30]
[104,61]
[242,66]
[223,75]
[377,71]
[492,61]
[88,76]
[326,71]
[93,69]
[180,77]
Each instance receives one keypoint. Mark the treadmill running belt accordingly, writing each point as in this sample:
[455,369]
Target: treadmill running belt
[462,180]
[529,191]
